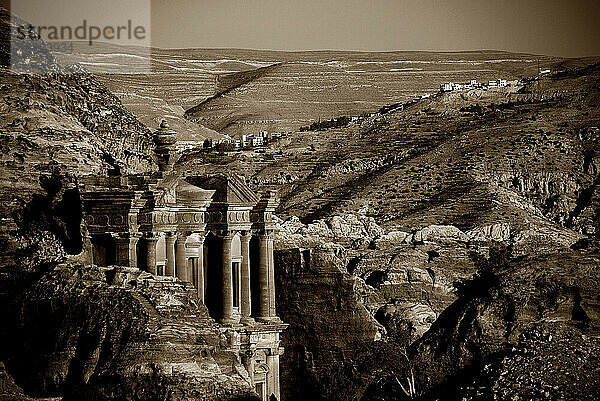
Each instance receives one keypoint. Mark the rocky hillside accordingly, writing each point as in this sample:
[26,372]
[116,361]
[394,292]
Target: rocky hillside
[57,123]
[117,333]
[445,249]
[463,315]
[524,156]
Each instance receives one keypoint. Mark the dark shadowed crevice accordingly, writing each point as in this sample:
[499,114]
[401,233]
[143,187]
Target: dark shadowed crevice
[353,264]
[578,313]
[376,278]
[431,255]
[67,226]
[62,217]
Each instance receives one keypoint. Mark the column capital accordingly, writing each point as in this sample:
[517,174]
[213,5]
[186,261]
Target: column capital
[274,351]
[264,233]
[126,236]
[201,235]
[183,234]
[226,234]
[195,243]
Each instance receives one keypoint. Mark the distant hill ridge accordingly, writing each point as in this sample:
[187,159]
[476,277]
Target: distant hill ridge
[225,83]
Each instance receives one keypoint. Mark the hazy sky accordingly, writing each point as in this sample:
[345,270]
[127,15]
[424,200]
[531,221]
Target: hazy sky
[552,27]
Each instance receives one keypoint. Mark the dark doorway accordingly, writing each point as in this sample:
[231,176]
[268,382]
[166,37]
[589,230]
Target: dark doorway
[254,284]
[213,295]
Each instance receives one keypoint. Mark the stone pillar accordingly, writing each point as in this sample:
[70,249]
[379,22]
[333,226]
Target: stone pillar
[133,260]
[249,364]
[245,301]
[272,312]
[180,259]
[125,248]
[200,271]
[151,241]
[227,286]
[273,375]
[88,250]
[170,252]
[263,277]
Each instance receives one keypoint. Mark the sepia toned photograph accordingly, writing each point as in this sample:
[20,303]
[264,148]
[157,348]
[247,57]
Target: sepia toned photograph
[299,200]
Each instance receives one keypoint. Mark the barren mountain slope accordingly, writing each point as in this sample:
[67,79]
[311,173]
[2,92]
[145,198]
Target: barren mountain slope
[308,86]
[525,157]
[153,84]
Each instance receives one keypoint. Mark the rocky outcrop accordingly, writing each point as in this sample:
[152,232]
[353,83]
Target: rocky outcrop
[502,335]
[39,94]
[409,283]
[56,123]
[349,229]
[329,326]
[117,334]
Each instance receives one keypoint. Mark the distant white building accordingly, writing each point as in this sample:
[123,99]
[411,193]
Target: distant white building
[451,86]
[180,146]
[447,87]
[256,141]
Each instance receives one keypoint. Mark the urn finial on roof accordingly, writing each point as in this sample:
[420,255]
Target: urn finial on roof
[164,141]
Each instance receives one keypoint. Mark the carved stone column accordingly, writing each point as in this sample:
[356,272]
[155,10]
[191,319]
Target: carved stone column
[125,249]
[151,241]
[133,258]
[170,252]
[273,375]
[245,301]
[227,286]
[263,277]
[180,259]
[272,313]
[200,271]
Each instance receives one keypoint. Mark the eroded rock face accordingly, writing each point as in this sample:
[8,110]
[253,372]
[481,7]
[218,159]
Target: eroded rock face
[418,289]
[507,326]
[329,325]
[118,334]
[342,230]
